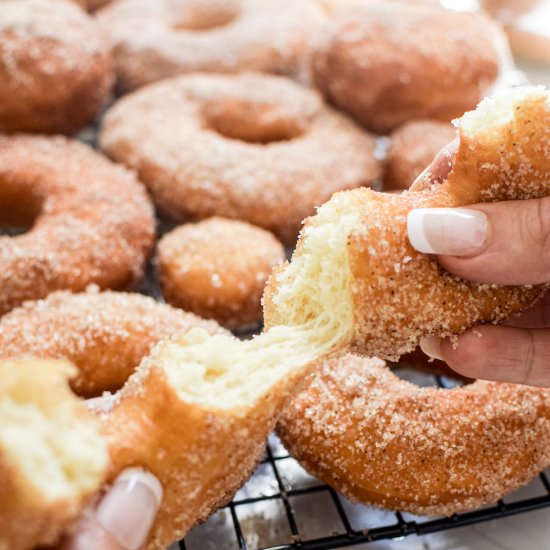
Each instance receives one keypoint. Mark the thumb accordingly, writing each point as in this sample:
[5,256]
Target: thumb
[505,243]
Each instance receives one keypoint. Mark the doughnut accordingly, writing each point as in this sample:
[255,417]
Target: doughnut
[105,334]
[218,268]
[52,455]
[413,146]
[354,272]
[253,147]
[56,70]
[93,5]
[88,220]
[353,282]
[386,63]
[156,40]
[384,441]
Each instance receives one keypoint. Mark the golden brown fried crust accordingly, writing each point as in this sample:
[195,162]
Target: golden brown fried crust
[218,268]
[165,38]
[104,334]
[386,64]
[412,148]
[245,146]
[92,221]
[56,70]
[384,441]
[200,455]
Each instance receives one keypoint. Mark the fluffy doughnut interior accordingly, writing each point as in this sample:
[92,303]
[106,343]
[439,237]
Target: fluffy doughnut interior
[52,442]
[314,302]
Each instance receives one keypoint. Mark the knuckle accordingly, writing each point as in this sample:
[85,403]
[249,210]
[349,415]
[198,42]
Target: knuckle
[536,225]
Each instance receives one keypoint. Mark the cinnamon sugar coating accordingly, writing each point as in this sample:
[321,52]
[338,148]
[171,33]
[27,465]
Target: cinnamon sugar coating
[105,334]
[384,441]
[218,268]
[164,38]
[413,147]
[254,147]
[56,70]
[91,221]
[389,62]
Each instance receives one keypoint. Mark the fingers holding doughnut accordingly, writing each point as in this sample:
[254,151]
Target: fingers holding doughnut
[506,354]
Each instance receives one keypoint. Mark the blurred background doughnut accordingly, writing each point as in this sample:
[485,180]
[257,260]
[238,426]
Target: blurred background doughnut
[56,70]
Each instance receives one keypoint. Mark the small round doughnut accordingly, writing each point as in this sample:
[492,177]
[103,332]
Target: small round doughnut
[89,220]
[105,334]
[386,63]
[56,70]
[384,441]
[217,268]
[356,275]
[413,146]
[52,455]
[253,147]
[156,40]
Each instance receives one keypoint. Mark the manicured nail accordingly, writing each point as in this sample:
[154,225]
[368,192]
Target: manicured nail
[447,231]
[128,510]
[431,346]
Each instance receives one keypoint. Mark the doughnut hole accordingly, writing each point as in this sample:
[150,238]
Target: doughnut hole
[203,15]
[255,122]
[20,205]
[218,268]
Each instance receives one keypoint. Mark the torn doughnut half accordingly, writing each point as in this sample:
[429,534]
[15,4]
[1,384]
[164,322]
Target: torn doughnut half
[52,455]
[388,294]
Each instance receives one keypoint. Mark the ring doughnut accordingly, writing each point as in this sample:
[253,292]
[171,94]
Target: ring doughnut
[156,40]
[55,67]
[90,221]
[386,64]
[217,269]
[52,456]
[253,147]
[105,334]
[384,441]
[321,303]
[413,146]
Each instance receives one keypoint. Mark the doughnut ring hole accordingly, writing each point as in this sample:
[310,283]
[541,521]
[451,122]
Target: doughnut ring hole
[203,15]
[20,206]
[252,122]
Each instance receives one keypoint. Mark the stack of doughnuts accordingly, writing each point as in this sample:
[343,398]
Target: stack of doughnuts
[236,146]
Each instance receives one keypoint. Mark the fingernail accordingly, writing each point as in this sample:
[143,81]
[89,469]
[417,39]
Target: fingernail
[448,231]
[431,346]
[128,510]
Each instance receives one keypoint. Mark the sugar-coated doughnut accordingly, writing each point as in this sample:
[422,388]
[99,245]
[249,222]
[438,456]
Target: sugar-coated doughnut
[254,147]
[156,40]
[348,285]
[413,146]
[218,268]
[385,441]
[105,334]
[389,62]
[94,5]
[355,269]
[90,220]
[56,70]
[52,455]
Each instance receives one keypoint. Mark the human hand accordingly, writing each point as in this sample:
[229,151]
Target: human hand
[121,517]
[505,243]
